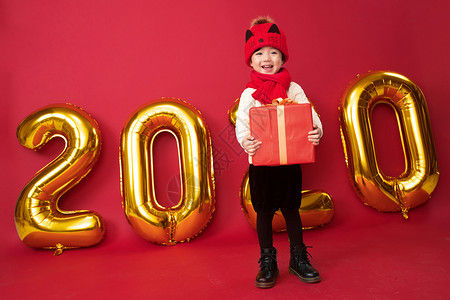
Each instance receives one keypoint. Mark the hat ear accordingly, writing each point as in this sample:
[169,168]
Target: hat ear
[248,35]
[274,29]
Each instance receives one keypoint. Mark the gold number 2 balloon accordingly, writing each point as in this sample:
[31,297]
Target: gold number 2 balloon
[415,185]
[190,216]
[39,221]
[317,208]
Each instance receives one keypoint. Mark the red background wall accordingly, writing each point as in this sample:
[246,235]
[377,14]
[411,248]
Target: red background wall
[110,57]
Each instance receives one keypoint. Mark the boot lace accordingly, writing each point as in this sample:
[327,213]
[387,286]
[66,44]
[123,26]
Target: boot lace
[267,261]
[301,253]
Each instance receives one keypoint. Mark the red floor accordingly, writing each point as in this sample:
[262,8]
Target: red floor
[383,257]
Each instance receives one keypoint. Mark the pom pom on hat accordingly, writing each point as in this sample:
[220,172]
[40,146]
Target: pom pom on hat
[264,32]
[262,20]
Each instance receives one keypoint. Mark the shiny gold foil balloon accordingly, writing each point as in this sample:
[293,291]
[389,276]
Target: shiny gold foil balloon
[415,185]
[190,216]
[317,208]
[232,112]
[39,221]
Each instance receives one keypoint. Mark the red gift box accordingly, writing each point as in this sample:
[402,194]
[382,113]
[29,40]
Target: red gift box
[283,131]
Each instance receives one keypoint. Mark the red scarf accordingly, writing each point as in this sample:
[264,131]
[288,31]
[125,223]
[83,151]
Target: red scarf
[269,87]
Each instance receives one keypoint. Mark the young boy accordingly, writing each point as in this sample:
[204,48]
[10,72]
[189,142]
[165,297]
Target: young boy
[279,187]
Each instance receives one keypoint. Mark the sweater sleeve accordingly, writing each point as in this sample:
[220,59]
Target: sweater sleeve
[296,93]
[246,101]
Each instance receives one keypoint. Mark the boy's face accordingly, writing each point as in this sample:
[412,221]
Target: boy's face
[267,60]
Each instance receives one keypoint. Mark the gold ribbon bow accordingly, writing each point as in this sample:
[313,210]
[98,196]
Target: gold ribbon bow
[281,101]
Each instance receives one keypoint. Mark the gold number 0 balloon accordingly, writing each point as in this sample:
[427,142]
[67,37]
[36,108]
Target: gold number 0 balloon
[149,219]
[421,174]
[39,222]
[317,208]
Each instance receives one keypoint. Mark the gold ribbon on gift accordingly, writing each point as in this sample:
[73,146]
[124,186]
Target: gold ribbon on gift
[280,103]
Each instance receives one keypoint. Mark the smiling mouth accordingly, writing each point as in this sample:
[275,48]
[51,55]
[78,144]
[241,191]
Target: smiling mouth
[267,68]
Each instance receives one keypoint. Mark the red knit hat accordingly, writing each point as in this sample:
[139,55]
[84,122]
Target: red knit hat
[266,34]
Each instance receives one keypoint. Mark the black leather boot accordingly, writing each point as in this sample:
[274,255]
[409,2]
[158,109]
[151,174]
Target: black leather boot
[268,268]
[300,265]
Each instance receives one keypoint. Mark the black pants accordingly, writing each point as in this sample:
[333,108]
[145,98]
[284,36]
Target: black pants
[271,189]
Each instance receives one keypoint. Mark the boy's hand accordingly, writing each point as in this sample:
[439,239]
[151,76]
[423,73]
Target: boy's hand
[314,136]
[251,145]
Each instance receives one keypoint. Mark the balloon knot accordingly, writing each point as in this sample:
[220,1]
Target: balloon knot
[405,214]
[59,249]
